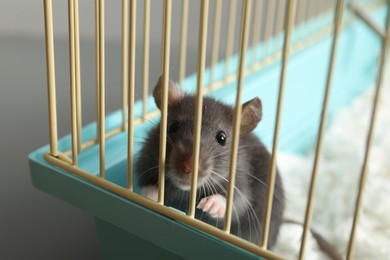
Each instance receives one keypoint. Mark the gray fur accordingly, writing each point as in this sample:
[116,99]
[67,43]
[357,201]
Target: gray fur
[251,173]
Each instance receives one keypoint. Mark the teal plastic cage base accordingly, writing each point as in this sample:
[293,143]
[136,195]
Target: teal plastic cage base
[127,229]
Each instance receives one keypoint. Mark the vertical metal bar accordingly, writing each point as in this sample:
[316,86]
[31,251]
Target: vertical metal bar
[230,36]
[216,35]
[245,22]
[269,23]
[183,42]
[199,101]
[298,13]
[97,37]
[309,10]
[125,59]
[279,18]
[101,89]
[309,208]
[146,58]
[279,24]
[316,8]
[321,13]
[363,174]
[322,6]
[327,5]
[289,22]
[257,27]
[51,81]
[72,70]
[130,116]
[77,73]
[302,17]
[164,98]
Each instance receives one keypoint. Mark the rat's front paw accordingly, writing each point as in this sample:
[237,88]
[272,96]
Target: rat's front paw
[215,205]
[150,192]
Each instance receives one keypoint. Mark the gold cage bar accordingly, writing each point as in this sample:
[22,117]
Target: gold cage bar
[279,25]
[363,174]
[301,11]
[362,13]
[77,73]
[269,23]
[216,35]
[183,42]
[199,102]
[73,90]
[51,81]
[101,76]
[257,26]
[230,35]
[289,21]
[130,116]
[309,208]
[164,97]
[125,60]
[245,22]
[145,87]
[97,37]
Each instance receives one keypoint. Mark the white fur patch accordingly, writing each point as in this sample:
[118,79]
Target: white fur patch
[150,192]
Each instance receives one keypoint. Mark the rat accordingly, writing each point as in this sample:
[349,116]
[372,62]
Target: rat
[253,162]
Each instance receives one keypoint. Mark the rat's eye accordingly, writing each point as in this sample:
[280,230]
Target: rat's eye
[174,126]
[221,137]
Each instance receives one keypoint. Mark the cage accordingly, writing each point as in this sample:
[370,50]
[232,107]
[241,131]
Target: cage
[305,59]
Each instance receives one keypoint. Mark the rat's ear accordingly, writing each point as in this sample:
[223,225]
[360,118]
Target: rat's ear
[174,94]
[251,114]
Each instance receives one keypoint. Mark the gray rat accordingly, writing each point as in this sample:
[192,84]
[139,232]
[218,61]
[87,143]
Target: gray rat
[216,138]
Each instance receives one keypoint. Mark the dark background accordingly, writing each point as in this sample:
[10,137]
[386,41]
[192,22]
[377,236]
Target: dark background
[33,224]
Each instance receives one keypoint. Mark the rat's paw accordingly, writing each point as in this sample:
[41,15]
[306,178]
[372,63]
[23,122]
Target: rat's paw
[150,192]
[215,205]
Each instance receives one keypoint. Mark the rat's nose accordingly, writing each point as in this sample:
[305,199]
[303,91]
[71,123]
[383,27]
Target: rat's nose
[186,165]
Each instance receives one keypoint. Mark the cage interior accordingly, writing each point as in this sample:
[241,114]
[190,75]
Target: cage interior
[355,70]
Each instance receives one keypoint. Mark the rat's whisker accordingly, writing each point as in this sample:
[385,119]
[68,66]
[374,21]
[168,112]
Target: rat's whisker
[148,170]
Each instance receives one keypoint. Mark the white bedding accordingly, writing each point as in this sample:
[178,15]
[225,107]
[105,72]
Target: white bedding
[340,166]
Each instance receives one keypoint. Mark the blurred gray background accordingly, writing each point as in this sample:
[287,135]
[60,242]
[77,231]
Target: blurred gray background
[34,225]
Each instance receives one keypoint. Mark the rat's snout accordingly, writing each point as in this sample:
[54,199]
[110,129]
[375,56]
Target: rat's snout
[181,164]
[186,165]
[182,160]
